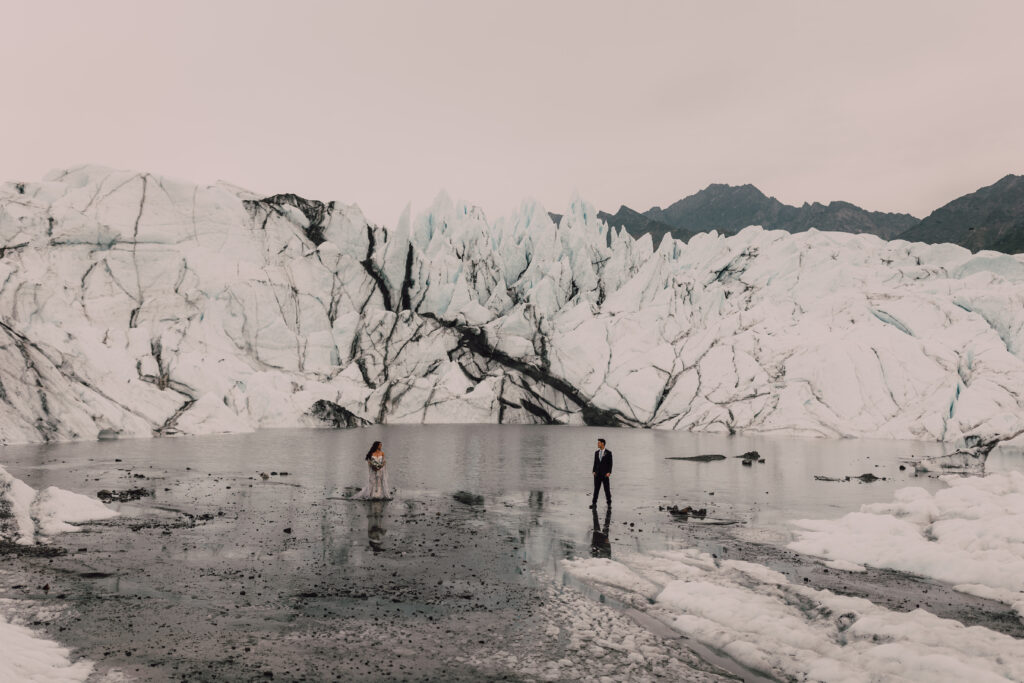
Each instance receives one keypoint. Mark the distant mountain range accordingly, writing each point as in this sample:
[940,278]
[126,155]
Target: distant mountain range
[729,209]
[990,218]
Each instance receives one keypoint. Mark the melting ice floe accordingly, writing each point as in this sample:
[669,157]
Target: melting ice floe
[794,632]
[970,534]
[26,514]
[134,305]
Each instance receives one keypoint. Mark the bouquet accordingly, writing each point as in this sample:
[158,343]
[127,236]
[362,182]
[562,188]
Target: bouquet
[376,462]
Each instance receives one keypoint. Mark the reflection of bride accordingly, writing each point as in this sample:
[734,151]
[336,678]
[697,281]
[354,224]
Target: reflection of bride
[377,487]
[375,529]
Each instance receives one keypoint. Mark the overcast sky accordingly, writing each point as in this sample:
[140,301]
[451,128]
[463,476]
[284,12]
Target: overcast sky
[895,106]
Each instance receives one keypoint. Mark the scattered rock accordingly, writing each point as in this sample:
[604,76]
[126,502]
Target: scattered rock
[687,511]
[10,548]
[335,415]
[867,478]
[123,496]
[750,455]
[710,457]
[748,463]
[468,498]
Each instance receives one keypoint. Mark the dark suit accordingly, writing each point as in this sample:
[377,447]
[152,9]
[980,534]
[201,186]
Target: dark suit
[602,468]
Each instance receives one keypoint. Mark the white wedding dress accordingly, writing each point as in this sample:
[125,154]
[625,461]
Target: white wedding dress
[377,487]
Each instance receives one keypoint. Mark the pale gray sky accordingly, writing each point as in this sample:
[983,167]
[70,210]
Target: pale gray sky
[896,106]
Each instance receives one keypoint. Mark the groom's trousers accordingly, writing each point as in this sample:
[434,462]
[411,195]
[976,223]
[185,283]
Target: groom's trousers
[598,481]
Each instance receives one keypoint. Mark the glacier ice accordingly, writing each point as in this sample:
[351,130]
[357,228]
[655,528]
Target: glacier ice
[138,305]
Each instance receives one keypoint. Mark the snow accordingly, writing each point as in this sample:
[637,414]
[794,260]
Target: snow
[27,658]
[56,511]
[48,512]
[16,497]
[24,656]
[139,305]
[844,566]
[970,534]
[795,632]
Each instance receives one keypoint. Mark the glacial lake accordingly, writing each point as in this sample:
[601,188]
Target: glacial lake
[509,462]
[228,574]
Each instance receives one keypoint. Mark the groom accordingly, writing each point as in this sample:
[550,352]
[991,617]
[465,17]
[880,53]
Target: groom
[602,473]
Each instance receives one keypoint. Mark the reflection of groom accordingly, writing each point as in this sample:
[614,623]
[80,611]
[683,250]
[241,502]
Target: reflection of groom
[600,546]
[602,473]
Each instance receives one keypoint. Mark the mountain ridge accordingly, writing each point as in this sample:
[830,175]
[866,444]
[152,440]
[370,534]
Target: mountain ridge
[730,208]
[991,217]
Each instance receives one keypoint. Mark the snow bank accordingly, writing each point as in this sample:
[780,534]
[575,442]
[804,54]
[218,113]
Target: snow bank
[25,514]
[133,304]
[794,632]
[27,658]
[970,534]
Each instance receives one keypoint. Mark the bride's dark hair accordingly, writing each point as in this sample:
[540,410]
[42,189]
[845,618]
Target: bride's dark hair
[373,449]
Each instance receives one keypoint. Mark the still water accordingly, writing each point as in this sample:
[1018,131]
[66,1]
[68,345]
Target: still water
[511,461]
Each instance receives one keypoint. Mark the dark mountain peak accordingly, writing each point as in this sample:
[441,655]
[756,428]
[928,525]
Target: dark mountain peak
[748,191]
[1008,180]
[637,224]
[730,208]
[625,211]
[746,187]
[991,217]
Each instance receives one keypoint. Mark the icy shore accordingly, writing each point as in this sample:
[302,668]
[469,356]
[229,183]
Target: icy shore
[967,534]
[25,515]
[135,305]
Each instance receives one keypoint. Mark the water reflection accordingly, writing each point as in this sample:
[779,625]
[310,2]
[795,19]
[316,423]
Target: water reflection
[375,529]
[543,468]
[600,545]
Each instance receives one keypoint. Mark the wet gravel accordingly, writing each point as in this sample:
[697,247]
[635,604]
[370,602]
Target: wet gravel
[257,587]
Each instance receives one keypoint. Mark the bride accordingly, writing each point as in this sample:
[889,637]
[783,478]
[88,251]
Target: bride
[377,487]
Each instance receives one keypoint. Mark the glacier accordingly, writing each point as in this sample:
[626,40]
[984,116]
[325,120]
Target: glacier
[135,305]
